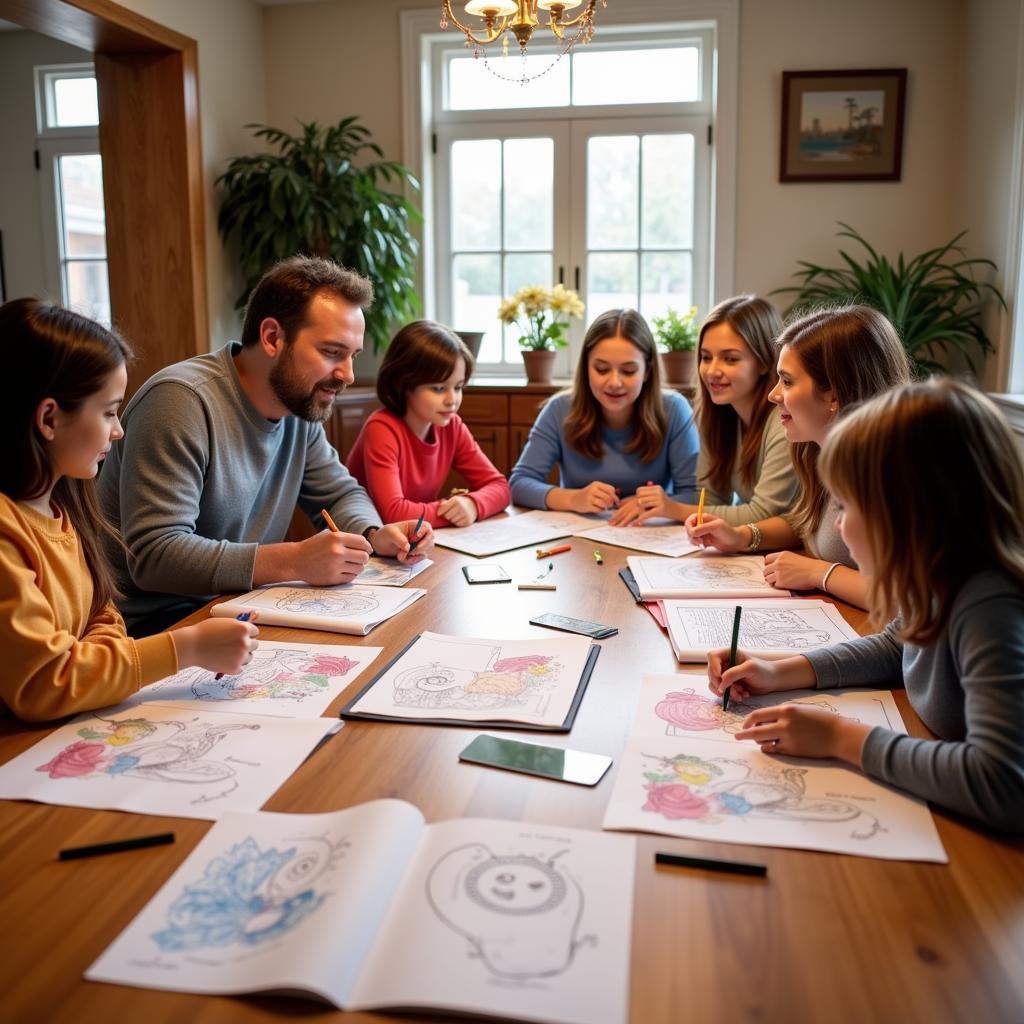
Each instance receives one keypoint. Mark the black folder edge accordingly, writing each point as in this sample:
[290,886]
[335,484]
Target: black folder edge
[627,577]
[484,723]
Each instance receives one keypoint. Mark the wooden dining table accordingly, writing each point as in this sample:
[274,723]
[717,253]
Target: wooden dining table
[824,937]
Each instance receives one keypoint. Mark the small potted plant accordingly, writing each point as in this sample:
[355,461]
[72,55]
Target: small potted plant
[542,316]
[676,334]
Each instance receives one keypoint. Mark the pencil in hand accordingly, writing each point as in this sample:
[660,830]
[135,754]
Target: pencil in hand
[700,508]
[732,652]
[416,530]
[330,522]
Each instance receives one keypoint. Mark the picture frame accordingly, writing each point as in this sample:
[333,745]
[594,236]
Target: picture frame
[842,125]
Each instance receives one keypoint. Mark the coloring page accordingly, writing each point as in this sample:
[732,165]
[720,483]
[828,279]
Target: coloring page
[702,576]
[270,901]
[732,793]
[491,536]
[532,680]
[162,760]
[767,626]
[659,540]
[389,572]
[536,918]
[284,680]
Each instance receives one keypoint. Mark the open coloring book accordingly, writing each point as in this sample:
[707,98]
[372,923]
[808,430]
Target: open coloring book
[724,576]
[390,572]
[283,680]
[492,536]
[684,774]
[163,760]
[657,536]
[347,608]
[371,908]
[768,626]
[536,683]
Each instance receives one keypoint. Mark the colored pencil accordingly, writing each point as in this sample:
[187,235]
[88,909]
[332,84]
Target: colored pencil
[732,652]
[138,843]
[732,867]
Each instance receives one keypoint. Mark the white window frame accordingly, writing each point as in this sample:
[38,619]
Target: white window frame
[46,103]
[420,32]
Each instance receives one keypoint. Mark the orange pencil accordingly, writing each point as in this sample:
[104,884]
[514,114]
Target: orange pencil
[330,522]
[541,553]
[700,509]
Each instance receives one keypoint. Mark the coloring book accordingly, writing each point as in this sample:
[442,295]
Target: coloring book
[348,608]
[506,533]
[370,908]
[768,626]
[535,683]
[722,576]
[390,572]
[684,774]
[659,537]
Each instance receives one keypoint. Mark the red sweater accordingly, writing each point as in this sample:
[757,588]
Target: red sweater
[404,474]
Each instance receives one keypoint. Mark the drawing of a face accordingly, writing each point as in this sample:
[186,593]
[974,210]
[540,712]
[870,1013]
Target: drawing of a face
[516,885]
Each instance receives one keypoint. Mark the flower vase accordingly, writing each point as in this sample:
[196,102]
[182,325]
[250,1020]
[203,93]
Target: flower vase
[678,366]
[539,364]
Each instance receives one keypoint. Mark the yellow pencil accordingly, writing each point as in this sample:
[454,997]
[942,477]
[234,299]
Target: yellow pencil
[330,521]
[700,509]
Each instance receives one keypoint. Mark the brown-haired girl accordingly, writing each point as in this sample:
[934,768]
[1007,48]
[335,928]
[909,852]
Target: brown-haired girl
[406,450]
[744,453]
[614,431]
[931,488]
[64,644]
[828,362]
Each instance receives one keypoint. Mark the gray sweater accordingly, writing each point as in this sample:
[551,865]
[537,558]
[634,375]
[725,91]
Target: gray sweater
[201,479]
[775,485]
[826,542]
[967,687]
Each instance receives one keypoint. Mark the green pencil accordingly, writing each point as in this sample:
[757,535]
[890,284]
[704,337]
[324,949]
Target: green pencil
[732,652]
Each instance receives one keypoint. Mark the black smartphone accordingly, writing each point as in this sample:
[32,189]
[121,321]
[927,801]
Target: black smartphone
[568,624]
[575,766]
[485,572]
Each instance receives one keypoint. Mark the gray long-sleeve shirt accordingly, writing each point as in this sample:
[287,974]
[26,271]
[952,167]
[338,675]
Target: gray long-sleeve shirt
[201,479]
[968,688]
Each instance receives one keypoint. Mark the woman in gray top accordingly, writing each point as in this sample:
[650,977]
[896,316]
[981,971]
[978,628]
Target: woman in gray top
[829,361]
[743,449]
[931,486]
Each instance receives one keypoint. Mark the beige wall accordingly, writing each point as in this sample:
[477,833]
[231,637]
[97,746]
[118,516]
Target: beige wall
[232,92]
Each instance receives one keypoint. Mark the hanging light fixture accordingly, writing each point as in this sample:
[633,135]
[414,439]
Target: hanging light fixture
[519,18]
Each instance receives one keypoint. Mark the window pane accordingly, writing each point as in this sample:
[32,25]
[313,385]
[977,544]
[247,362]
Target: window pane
[521,269]
[476,194]
[86,288]
[473,83]
[476,293]
[83,224]
[74,102]
[664,75]
[611,282]
[612,191]
[666,279]
[529,193]
[667,191]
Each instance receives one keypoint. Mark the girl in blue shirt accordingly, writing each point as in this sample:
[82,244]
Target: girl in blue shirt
[615,430]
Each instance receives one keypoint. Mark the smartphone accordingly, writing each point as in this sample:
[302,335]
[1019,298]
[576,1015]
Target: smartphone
[575,766]
[485,572]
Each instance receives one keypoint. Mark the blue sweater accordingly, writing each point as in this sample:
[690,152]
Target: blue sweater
[674,467]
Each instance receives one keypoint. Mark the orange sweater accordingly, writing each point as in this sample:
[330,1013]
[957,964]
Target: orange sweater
[56,660]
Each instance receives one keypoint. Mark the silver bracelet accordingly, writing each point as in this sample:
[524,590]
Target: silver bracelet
[828,572]
[755,537]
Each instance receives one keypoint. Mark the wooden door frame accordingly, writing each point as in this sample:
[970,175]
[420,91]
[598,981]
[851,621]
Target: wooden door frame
[148,85]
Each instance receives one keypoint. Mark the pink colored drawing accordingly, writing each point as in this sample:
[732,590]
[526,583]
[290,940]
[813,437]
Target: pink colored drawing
[81,758]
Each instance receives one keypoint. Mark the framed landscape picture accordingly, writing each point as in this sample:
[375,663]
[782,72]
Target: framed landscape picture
[842,125]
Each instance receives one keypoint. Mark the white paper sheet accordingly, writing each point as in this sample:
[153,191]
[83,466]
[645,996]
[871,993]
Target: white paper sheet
[659,540]
[767,626]
[343,609]
[283,680]
[159,760]
[492,536]
[389,572]
[721,576]
[532,680]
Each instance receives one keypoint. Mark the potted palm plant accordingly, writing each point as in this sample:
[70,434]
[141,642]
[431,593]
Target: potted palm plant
[933,300]
[542,316]
[319,195]
[676,334]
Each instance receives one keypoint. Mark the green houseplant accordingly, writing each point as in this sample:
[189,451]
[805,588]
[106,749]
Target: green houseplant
[933,299]
[542,317]
[676,334]
[317,194]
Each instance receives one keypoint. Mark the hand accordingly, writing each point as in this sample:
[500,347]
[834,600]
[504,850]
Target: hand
[220,645]
[627,512]
[393,540]
[595,497]
[329,558]
[751,676]
[790,571]
[804,731]
[716,533]
[459,510]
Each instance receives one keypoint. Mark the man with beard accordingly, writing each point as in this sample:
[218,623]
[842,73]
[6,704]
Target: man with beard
[219,449]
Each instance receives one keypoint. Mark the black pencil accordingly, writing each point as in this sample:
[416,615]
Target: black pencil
[732,867]
[138,843]
[732,652]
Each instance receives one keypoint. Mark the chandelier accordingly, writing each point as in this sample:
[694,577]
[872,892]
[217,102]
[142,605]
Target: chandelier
[502,18]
